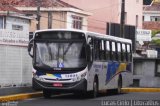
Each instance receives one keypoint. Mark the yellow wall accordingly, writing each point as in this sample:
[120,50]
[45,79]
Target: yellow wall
[156,0]
[59,20]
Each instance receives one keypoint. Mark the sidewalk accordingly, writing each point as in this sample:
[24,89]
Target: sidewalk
[18,93]
[15,90]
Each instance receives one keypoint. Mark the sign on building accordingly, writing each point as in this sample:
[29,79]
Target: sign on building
[11,37]
[143,35]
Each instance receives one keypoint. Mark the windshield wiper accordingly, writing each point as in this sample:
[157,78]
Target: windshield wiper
[67,48]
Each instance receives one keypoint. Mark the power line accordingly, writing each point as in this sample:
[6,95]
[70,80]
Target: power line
[105,7]
[95,27]
[100,28]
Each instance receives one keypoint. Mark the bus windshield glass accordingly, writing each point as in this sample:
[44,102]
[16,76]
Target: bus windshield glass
[63,52]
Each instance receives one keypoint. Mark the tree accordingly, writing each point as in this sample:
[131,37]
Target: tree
[155,41]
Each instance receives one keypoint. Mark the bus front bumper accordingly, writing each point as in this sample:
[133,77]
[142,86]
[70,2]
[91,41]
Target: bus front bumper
[67,87]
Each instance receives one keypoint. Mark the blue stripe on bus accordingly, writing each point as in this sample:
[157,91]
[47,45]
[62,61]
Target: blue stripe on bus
[111,70]
[115,67]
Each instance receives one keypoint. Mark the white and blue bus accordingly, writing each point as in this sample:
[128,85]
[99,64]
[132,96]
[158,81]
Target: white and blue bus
[80,61]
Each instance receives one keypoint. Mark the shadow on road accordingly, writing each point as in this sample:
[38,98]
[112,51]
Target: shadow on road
[82,97]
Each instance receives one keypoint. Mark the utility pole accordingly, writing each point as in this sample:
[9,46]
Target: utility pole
[50,20]
[38,14]
[122,19]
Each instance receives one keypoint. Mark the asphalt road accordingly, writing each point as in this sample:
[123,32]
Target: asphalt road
[128,99]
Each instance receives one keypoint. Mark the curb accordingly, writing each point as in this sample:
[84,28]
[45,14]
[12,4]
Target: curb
[127,90]
[20,96]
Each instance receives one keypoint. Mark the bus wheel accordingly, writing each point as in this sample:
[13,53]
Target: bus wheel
[47,93]
[95,89]
[119,85]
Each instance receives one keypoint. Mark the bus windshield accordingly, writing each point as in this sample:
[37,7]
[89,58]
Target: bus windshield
[60,54]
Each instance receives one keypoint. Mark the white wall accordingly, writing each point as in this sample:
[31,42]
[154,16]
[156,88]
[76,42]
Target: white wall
[15,63]
[147,16]
[15,66]
[17,21]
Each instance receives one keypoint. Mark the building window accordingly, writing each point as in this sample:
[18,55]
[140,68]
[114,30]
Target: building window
[77,22]
[17,27]
[143,18]
[125,17]
[155,18]
[137,1]
[1,22]
[136,20]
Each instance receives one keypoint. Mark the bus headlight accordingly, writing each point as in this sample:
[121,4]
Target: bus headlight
[74,79]
[39,78]
[78,78]
[83,75]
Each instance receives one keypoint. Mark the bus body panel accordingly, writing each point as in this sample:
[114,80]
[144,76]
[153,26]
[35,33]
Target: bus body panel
[99,69]
[108,74]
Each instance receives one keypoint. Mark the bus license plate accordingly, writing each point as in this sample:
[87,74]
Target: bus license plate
[57,85]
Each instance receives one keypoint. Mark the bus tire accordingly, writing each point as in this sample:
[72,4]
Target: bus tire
[47,93]
[94,93]
[119,91]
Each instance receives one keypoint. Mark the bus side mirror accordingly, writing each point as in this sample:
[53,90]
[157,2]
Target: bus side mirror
[89,53]
[30,48]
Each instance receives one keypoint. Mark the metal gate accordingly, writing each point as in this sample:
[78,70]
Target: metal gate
[15,66]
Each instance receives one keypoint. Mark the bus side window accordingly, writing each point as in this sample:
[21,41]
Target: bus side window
[119,51]
[102,50]
[113,51]
[91,44]
[97,49]
[107,50]
[128,53]
[123,52]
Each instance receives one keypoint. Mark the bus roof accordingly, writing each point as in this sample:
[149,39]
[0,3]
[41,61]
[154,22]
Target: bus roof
[94,34]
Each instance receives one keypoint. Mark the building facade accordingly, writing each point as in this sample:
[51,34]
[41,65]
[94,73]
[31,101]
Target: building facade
[15,64]
[54,14]
[151,16]
[109,11]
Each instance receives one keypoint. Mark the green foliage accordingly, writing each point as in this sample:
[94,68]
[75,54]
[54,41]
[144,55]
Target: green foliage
[156,42]
[154,32]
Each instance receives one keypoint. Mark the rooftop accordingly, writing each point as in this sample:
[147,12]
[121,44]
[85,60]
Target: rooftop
[153,7]
[151,25]
[42,3]
[8,8]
